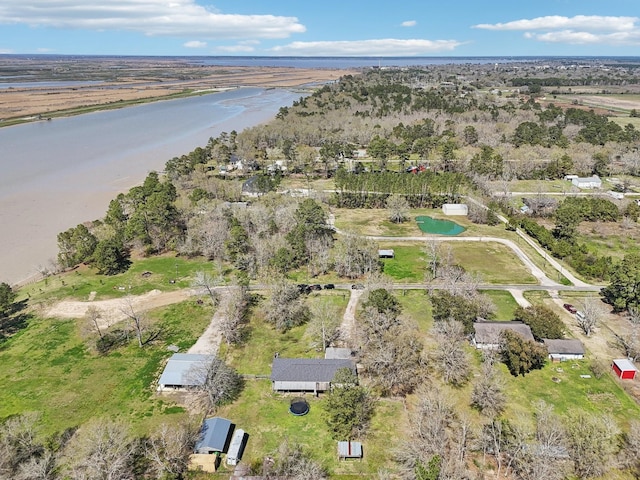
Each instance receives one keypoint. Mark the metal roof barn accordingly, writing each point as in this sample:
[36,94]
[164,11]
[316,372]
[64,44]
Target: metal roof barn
[184,370]
[214,436]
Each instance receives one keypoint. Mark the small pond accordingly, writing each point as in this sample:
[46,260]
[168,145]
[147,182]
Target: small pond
[439,227]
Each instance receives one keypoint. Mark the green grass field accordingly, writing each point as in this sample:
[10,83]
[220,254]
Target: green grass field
[48,368]
[410,262]
[504,302]
[78,284]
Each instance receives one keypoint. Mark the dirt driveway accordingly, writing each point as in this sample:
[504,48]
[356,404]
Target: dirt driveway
[111,310]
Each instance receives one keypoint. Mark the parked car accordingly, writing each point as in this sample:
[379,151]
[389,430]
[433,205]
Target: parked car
[570,308]
[315,287]
[329,286]
[357,286]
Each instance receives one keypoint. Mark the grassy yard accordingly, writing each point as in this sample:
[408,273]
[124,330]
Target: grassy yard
[264,415]
[78,284]
[410,262]
[504,302]
[48,368]
[561,385]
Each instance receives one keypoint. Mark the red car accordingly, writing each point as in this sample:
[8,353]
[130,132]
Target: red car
[570,308]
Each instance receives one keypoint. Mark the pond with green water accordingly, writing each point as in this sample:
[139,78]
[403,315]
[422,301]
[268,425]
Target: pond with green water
[439,227]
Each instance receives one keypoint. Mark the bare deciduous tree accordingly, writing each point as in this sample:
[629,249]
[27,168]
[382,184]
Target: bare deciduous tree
[233,316]
[324,325]
[398,208]
[169,448]
[450,356]
[284,308]
[293,462]
[591,439]
[136,318]
[100,450]
[208,283]
[488,392]
[18,444]
[92,317]
[217,383]
[592,312]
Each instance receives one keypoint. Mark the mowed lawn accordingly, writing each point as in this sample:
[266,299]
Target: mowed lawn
[164,273]
[563,386]
[48,368]
[492,261]
[264,414]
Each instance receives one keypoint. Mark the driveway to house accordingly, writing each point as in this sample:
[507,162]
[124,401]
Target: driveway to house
[209,341]
[348,325]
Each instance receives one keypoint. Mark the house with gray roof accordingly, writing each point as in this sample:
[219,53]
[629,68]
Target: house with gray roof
[587,182]
[184,370]
[306,374]
[487,335]
[564,349]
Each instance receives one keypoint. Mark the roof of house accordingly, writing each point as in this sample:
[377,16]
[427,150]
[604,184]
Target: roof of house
[183,369]
[564,346]
[350,449]
[214,434]
[624,364]
[307,369]
[489,332]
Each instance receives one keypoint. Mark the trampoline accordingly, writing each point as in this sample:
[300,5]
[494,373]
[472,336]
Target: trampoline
[299,407]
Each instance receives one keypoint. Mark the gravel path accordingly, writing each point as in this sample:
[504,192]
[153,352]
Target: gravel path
[348,325]
[209,341]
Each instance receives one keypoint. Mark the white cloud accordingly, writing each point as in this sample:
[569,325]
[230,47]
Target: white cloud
[195,44]
[587,38]
[240,48]
[578,30]
[587,23]
[5,51]
[151,17]
[373,48]
[409,23]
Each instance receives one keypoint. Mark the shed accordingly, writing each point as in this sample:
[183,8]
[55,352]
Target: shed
[386,253]
[587,182]
[564,349]
[338,353]
[214,436]
[487,334]
[306,374]
[625,369]
[184,370]
[236,448]
[455,209]
[349,450]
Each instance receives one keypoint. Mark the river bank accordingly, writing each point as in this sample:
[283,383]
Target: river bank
[52,89]
[61,173]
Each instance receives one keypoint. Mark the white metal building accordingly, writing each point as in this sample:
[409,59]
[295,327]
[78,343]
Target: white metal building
[455,209]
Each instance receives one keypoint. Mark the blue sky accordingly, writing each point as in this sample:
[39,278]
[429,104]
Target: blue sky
[321,28]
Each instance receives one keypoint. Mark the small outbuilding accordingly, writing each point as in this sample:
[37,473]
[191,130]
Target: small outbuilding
[236,448]
[624,368]
[389,253]
[349,450]
[184,370]
[587,182]
[214,436]
[455,209]
[487,335]
[564,349]
[306,374]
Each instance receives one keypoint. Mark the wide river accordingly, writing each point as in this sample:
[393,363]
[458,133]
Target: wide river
[56,174]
